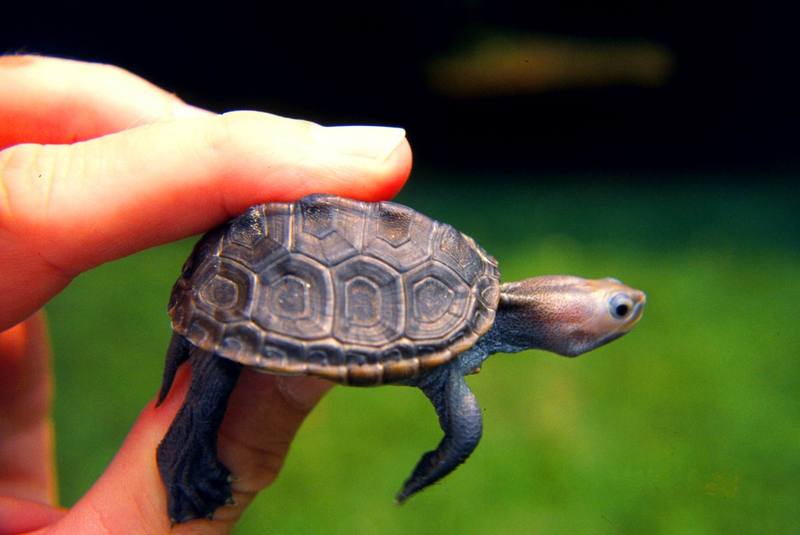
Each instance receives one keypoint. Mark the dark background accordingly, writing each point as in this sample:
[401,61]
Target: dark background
[729,103]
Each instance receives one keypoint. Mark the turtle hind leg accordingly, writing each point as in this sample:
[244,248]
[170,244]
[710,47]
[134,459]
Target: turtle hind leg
[196,482]
[460,418]
[177,354]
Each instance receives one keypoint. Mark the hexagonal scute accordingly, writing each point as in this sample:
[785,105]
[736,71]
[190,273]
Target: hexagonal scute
[393,223]
[228,293]
[398,235]
[362,302]
[259,236]
[204,251]
[445,302]
[248,228]
[432,299]
[370,304]
[220,292]
[318,219]
[295,299]
[290,297]
[328,229]
[451,248]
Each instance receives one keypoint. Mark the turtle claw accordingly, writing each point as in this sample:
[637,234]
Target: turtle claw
[197,496]
[196,482]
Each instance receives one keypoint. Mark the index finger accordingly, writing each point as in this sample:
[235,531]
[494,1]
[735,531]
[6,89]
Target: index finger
[66,208]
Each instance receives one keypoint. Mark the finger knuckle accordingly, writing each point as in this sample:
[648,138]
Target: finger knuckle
[304,129]
[28,175]
[220,134]
[18,164]
[113,71]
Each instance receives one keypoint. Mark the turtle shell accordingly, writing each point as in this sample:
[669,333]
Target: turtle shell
[358,293]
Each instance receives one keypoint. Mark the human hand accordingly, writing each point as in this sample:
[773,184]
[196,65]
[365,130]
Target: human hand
[96,165]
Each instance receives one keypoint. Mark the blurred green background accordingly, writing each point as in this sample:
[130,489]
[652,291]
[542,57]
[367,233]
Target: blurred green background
[687,425]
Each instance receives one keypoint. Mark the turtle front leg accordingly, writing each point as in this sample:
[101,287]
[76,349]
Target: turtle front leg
[460,419]
[177,354]
[196,482]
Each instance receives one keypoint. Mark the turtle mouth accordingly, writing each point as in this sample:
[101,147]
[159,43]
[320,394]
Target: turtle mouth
[610,338]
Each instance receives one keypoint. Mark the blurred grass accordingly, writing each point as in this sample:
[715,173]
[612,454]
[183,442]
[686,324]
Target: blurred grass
[687,425]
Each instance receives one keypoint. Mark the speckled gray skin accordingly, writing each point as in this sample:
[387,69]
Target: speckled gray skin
[360,294]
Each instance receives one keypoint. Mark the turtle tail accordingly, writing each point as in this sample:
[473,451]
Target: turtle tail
[177,354]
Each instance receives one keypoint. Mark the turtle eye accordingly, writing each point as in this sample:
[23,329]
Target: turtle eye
[620,305]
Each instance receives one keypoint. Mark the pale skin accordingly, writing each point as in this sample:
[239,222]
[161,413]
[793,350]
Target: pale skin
[83,143]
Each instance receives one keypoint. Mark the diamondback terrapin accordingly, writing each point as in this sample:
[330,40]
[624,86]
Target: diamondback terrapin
[360,294]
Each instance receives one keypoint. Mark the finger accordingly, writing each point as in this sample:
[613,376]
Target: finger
[66,208]
[26,438]
[264,402]
[263,416]
[22,516]
[51,100]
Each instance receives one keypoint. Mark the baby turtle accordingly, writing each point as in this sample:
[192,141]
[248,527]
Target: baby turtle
[360,294]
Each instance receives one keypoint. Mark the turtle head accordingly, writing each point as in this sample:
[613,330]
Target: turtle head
[565,314]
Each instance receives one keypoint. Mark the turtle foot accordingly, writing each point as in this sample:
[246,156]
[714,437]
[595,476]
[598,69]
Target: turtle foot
[197,484]
[195,481]
[460,418]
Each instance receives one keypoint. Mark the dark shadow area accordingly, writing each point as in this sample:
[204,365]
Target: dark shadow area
[722,98]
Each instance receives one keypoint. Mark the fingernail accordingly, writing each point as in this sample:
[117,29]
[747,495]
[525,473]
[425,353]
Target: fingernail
[376,142]
[186,111]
